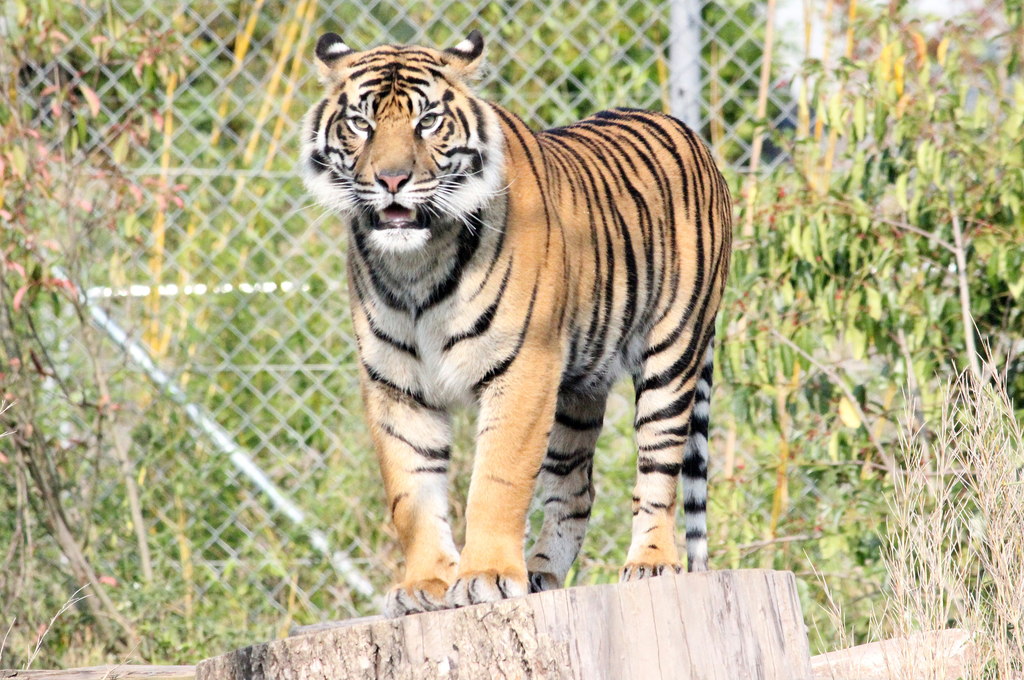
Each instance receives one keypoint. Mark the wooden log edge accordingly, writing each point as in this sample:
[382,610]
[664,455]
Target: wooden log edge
[938,655]
[717,625]
[121,672]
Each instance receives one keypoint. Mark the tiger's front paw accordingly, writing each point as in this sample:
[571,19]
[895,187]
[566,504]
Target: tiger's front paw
[484,586]
[634,571]
[416,596]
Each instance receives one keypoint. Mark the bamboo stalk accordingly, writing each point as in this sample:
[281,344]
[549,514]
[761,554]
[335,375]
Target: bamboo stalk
[833,133]
[780,498]
[762,109]
[287,44]
[291,33]
[965,293]
[298,60]
[156,257]
[819,123]
[242,43]
[850,16]
[803,126]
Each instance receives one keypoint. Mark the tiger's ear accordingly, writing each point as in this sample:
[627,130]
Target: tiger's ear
[330,48]
[467,58]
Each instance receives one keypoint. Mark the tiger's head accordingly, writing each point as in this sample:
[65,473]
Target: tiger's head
[399,144]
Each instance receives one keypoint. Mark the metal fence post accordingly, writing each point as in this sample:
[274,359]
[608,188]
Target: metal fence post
[684,61]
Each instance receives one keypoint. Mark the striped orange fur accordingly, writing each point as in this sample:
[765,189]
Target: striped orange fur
[522,272]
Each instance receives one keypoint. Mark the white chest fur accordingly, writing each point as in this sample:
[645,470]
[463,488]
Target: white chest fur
[418,352]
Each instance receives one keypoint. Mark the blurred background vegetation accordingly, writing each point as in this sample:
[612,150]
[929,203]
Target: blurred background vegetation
[147,171]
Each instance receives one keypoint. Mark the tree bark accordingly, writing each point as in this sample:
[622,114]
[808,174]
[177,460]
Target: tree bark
[716,625]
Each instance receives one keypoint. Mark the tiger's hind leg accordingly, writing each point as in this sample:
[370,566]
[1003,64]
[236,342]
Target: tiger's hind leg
[671,430]
[567,488]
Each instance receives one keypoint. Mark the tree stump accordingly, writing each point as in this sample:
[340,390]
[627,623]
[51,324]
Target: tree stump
[716,625]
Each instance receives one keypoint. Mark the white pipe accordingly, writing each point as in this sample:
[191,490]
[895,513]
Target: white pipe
[223,441]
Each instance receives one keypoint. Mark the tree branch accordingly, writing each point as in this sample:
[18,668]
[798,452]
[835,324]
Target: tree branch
[890,462]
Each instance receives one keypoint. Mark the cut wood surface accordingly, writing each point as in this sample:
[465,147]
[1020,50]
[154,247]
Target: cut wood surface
[122,672]
[720,625]
[934,655]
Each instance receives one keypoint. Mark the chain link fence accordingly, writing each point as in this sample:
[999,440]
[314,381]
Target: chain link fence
[220,300]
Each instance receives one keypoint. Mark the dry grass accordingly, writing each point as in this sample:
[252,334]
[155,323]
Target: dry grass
[954,548]
[75,598]
[4,406]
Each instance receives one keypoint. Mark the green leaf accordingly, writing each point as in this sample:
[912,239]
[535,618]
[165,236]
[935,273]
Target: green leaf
[859,119]
[19,162]
[120,149]
[874,302]
[901,191]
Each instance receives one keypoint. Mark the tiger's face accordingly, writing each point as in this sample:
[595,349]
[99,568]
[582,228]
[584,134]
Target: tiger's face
[399,144]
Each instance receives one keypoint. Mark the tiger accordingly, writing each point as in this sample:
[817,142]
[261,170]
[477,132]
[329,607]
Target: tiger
[520,273]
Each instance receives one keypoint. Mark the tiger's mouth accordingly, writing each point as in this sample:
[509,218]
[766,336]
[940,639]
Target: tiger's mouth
[397,216]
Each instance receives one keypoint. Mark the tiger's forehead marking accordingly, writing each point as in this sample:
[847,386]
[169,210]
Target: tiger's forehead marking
[396,79]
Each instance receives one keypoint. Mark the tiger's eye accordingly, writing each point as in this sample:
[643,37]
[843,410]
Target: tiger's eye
[428,121]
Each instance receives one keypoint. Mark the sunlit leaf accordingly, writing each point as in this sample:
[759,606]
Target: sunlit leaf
[847,414]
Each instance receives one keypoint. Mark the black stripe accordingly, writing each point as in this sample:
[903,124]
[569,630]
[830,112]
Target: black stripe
[481,131]
[434,469]
[578,424]
[469,241]
[662,379]
[499,369]
[565,468]
[384,292]
[412,394]
[387,339]
[674,408]
[647,467]
[699,425]
[565,456]
[483,322]
[316,119]
[515,123]
[695,506]
[694,466]
[661,446]
[427,452]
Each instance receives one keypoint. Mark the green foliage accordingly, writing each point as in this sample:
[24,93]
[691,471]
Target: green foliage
[847,290]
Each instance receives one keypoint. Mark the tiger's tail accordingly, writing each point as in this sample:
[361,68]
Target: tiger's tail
[695,468]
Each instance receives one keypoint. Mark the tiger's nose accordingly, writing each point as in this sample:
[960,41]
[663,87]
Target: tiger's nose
[392,180]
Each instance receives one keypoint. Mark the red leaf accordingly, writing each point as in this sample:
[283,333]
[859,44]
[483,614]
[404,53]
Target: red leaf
[18,297]
[16,267]
[91,98]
